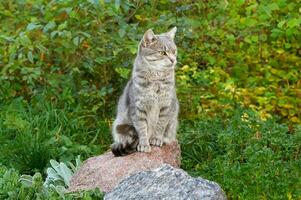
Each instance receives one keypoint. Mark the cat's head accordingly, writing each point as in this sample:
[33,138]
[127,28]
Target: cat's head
[159,50]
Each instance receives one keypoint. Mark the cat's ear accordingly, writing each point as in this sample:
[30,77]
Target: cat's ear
[148,38]
[172,33]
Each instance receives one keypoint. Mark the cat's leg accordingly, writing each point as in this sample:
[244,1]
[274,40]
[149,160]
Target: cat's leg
[140,124]
[160,127]
[171,128]
[171,131]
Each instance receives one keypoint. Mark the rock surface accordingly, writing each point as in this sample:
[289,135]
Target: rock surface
[165,183]
[106,171]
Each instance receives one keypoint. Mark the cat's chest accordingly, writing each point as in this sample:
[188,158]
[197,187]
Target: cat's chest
[159,88]
[155,90]
[155,93]
[160,85]
[155,87]
[154,84]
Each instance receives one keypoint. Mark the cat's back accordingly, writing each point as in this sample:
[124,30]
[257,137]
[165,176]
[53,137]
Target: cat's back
[125,98]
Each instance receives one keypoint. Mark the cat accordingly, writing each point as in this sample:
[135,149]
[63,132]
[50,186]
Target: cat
[147,112]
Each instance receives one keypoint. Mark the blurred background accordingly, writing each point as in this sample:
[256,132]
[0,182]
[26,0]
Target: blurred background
[63,65]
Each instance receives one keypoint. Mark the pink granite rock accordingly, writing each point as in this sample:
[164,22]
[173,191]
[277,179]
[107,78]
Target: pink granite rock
[106,171]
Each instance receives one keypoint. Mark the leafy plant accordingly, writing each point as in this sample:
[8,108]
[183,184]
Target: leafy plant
[249,157]
[32,135]
[63,65]
[56,183]
[59,175]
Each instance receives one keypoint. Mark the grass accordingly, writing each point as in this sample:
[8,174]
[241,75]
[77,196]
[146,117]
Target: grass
[37,131]
[248,157]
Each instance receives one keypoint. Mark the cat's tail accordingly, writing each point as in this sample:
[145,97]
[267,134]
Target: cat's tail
[127,140]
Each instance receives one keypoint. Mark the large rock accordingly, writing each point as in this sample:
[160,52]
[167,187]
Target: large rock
[106,171]
[165,183]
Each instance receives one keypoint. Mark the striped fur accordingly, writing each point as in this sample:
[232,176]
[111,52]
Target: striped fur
[148,108]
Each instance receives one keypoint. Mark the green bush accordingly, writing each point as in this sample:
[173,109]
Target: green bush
[246,52]
[250,158]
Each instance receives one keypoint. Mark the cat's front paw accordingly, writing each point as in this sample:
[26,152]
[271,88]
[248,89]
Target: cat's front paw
[143,148]
[156,142]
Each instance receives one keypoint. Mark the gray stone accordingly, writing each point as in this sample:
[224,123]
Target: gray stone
[165,183]
[106,171]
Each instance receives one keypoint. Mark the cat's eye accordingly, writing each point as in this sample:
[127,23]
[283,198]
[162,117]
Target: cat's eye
[162,53]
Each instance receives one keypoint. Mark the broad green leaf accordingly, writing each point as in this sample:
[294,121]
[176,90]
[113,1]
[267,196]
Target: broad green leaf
[123,72]
[49,26]
[76,41]
[121,32]
[250,22]
[32,26]
[273,6]
[26,180]
[66,173]
[54,164]
[30,57]
[294,22]
[24,40]
[117,4]
[280,24]
[63,26]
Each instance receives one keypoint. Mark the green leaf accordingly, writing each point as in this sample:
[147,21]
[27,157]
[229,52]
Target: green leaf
[30,57]
[65,173]
[121,32]
[240,2]
[87,35]
[32,26]
[61,190]
[247,39]
[254,38]
[53,34]
[250,22]
[54,164]
[26,180]
[76,41]
[49,26]
[24,40]
[211,60]
[273,6]
[293,22]
[117,4]
[276,32]
[63,26]
[280,24]
[52,174]
[41,48]
[123,72]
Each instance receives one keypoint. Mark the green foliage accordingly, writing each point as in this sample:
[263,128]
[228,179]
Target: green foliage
[36,132]
[63,65]
[250,158]
[14,186]
[245,53]
[60,174]
[78,49]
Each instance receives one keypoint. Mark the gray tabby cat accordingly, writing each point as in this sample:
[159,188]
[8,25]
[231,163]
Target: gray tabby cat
[148,108]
